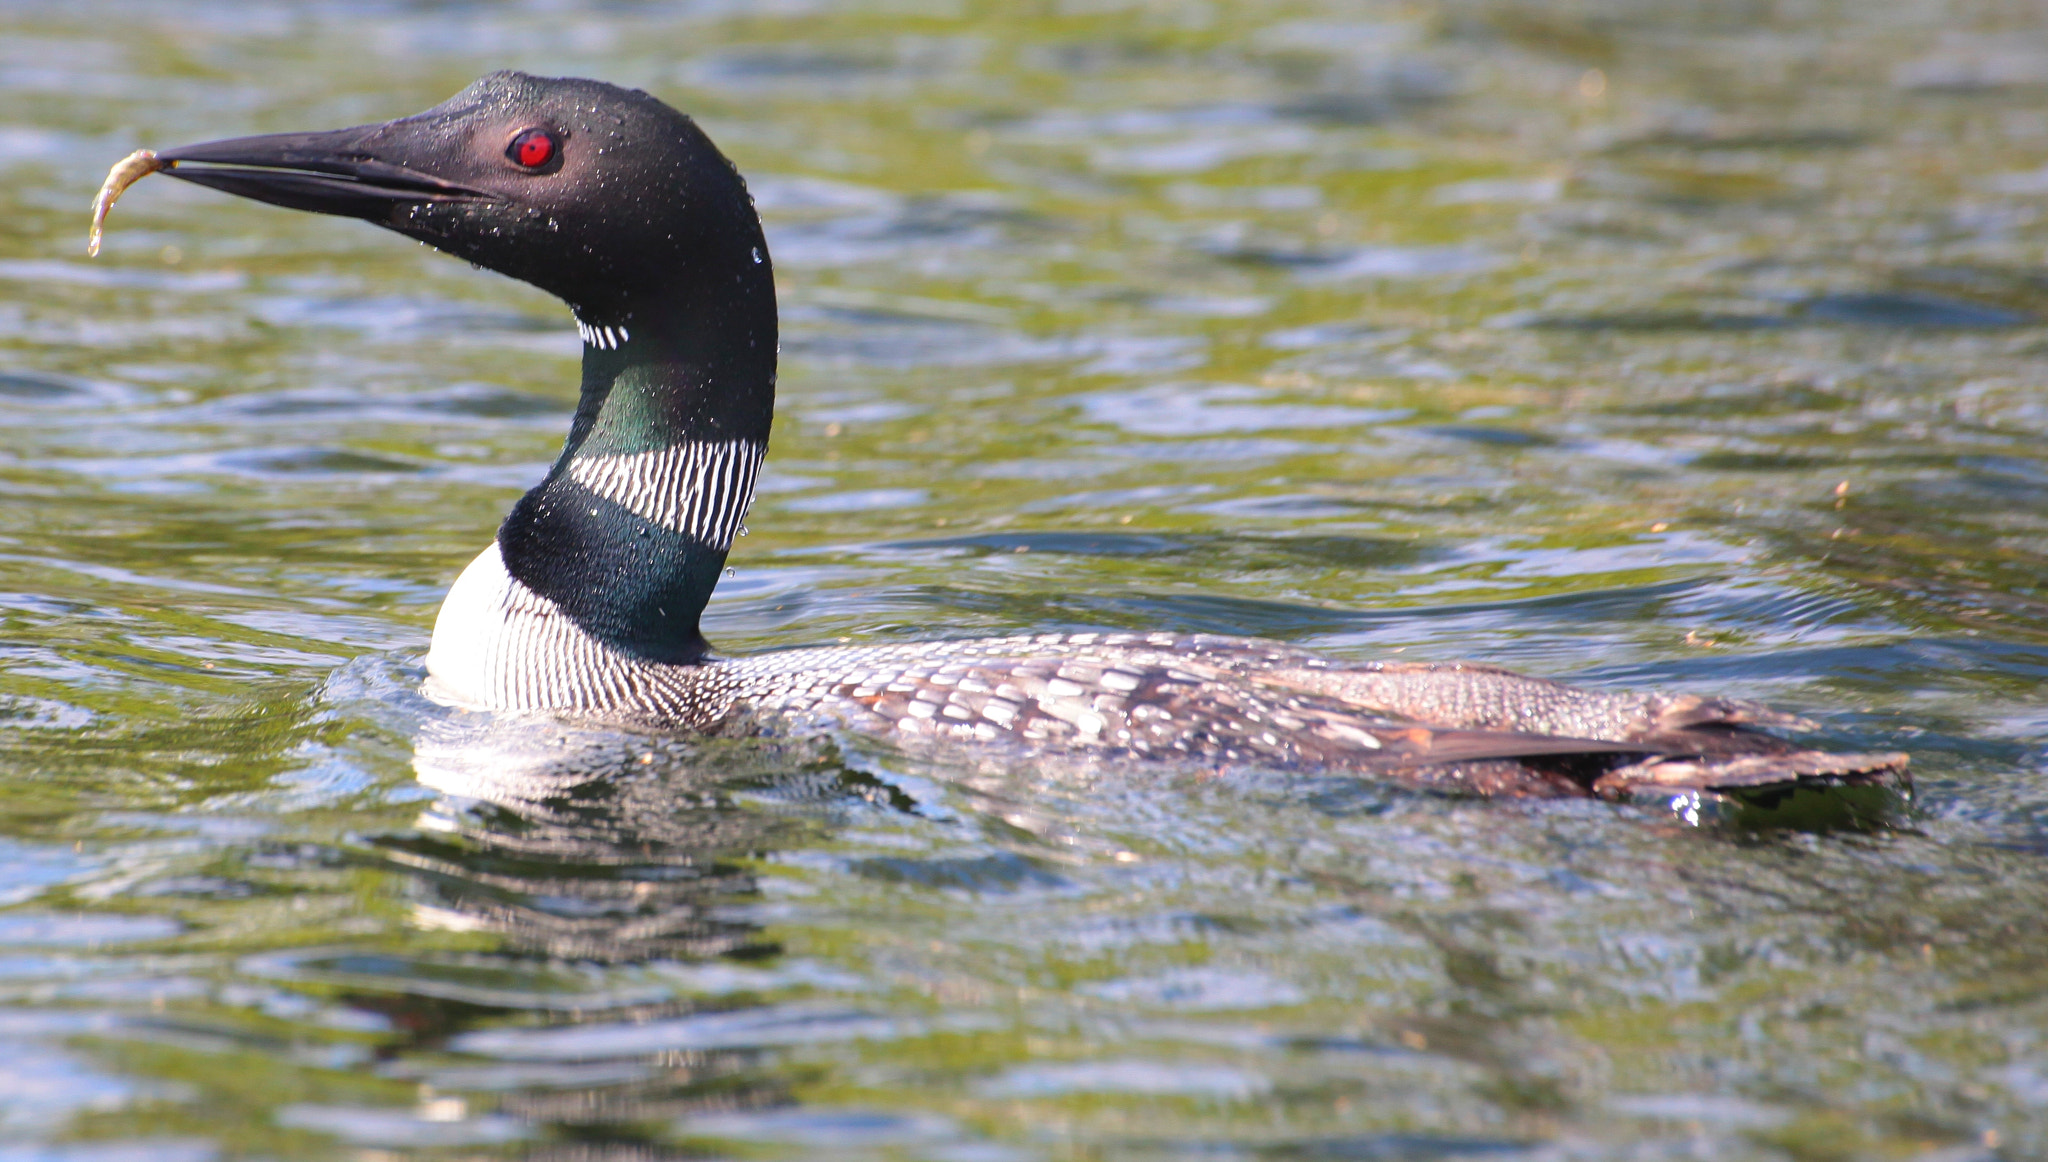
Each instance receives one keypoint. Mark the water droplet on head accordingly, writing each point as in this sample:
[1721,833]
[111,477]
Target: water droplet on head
[731,572]
[757,254]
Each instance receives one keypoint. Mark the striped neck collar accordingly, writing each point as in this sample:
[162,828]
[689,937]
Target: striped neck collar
[629,532]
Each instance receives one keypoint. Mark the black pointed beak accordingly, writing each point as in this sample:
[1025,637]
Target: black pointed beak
[337,172]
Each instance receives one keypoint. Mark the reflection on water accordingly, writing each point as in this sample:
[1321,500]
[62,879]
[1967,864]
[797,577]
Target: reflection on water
[1643,343]
[592,845]
[589,849]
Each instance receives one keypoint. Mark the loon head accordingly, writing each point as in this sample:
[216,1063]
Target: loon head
[623,208]
[601,196]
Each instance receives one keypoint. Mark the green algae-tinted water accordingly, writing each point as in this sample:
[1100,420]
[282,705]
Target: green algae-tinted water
[1691,345]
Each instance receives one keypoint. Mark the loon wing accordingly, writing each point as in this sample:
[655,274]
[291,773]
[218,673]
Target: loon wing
[1686,741]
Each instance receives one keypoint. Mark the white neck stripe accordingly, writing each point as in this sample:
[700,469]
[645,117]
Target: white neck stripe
[603,338]
[701,489]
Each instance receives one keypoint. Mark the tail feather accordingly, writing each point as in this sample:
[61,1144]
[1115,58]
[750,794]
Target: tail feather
[1747,771]
[1680,711]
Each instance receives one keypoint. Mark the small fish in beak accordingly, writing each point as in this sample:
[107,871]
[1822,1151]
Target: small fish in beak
[126,172]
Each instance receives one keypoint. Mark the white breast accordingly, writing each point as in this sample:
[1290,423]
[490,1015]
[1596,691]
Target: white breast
[500,646]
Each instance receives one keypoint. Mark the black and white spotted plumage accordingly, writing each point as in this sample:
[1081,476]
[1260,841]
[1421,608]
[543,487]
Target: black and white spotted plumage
[1191,699]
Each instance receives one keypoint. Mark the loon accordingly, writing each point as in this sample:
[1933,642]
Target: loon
[587,602]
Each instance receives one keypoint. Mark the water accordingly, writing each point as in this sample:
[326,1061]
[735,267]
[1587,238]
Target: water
[1647,344]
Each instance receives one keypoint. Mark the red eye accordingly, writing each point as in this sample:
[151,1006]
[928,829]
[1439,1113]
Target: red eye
[533,149]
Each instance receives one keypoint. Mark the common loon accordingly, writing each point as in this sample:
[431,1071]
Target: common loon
[587,602]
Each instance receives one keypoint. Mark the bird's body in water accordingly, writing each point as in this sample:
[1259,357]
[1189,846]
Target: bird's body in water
[587,603]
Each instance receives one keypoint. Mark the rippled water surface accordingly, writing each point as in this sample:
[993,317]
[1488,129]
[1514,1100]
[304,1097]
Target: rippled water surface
[1680,344]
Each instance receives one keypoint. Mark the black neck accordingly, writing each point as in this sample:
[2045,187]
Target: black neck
[629,532]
